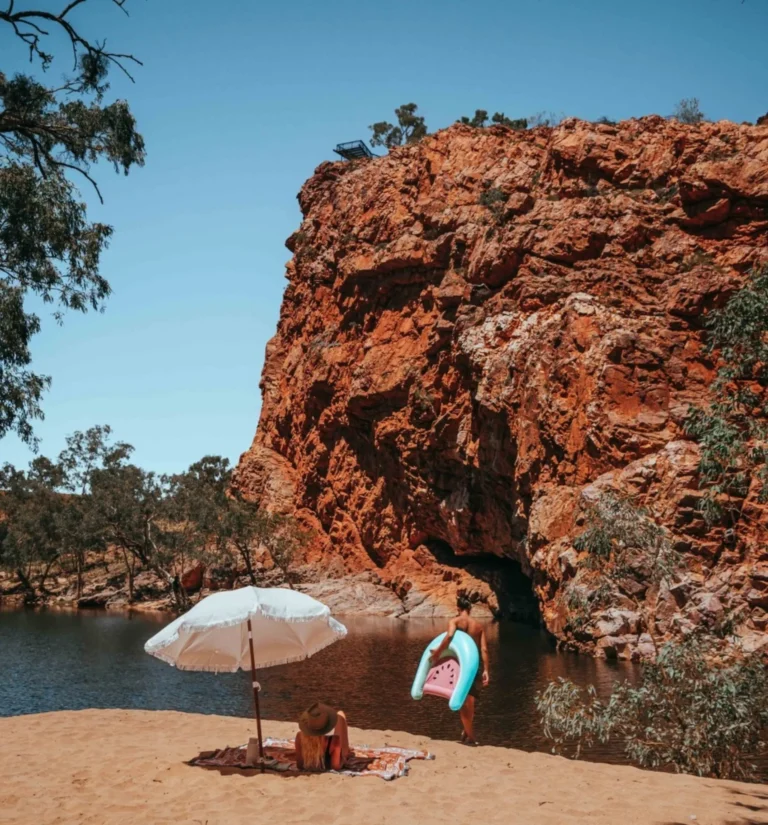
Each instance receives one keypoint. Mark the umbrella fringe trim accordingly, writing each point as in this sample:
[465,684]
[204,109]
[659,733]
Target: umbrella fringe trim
[257,614]
[274,663]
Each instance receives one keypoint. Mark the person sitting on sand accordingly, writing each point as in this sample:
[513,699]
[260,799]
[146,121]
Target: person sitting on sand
[471,626]
[322,743]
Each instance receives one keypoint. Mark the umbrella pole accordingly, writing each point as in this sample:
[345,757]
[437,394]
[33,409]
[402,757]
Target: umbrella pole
[256,688]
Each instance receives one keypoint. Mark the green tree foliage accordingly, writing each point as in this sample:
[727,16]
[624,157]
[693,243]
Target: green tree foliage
[50,134]
[688,111]
[87,451]
[693,711]
[84,454]
[621,534]
[626,552]
[33,515]
[733,430]
[196,500]
[126,506]
[93,498]
[221,523]
[480,119]
[698,708]
[410,128]
[500,119]
[495,201]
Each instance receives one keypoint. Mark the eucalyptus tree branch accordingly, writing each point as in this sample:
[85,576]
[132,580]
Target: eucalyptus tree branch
[28,27]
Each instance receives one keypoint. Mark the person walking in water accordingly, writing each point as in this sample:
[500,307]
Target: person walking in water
[465,622]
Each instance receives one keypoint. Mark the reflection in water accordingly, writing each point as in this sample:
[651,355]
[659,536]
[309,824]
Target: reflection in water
[55,661]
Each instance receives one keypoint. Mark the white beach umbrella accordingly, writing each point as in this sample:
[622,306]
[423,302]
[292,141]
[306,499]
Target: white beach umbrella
[251,627]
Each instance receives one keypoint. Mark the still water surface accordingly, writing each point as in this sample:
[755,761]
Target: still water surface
[68,661]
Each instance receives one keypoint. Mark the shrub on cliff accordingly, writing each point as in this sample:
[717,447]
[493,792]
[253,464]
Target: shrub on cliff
[733,429]
[621,534]
[692,711]
[410,128]
[494,200]
[501,119]
[480,120]
[626,551]
[688,111]
[48,248]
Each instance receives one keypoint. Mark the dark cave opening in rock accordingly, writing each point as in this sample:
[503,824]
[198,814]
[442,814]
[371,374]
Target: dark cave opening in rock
[503,575]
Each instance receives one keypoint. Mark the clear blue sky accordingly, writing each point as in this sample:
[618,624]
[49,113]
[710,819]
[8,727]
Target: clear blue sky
[240,101]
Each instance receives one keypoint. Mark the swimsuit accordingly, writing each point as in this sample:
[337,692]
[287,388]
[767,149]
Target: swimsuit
[477,686]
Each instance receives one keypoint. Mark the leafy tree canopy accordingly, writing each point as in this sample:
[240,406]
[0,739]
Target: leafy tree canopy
[626,551]
[733,430]
[410,128]
[480,119]
[50,135]
[693,710]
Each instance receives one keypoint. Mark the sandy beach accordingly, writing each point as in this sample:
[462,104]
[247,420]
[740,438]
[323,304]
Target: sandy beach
[99,767]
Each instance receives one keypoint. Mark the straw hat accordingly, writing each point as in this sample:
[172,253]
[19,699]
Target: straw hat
[318,720]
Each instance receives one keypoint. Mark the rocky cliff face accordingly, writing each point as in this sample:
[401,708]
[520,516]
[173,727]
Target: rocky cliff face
[482,331]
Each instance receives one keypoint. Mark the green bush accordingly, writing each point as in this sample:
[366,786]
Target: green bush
[492,197]
[410,128]
[500,119]
[480,120]
[621,533]
[688,111]
[733,429]
[692,711]
[581,602]
[494,200]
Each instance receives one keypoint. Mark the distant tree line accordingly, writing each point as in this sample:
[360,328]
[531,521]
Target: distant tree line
[93,501]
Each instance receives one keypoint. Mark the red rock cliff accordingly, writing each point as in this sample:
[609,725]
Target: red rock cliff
[480,328]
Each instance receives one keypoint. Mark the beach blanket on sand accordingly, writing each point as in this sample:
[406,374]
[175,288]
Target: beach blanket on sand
[388,763]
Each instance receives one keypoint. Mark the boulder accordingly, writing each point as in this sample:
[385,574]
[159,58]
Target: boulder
[192,578]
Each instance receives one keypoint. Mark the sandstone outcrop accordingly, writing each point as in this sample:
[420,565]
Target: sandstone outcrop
[481,329]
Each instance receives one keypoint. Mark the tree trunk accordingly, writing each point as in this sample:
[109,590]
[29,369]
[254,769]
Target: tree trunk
[44,575]
[286,576]
[183,599]
[247,561]
[79,572]
[175,587]
[30,595]
[129,572]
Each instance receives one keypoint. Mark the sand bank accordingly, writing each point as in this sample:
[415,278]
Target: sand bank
[98,767]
